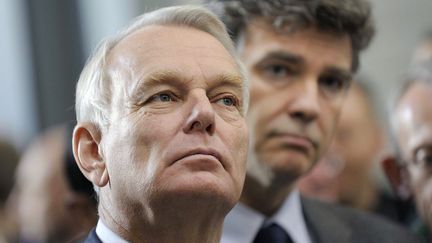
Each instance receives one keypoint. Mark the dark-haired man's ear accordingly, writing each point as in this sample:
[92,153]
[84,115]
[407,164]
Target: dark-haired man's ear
[86,141]
[397,175]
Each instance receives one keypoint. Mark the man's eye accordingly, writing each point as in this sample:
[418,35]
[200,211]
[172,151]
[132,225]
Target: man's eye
[332,84]
[277,71]
[162,97]
[228,101]
[423,157]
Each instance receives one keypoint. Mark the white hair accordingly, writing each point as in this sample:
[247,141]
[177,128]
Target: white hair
[93,93]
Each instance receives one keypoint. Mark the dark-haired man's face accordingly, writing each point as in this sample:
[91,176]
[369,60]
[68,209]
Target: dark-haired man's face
[298,82]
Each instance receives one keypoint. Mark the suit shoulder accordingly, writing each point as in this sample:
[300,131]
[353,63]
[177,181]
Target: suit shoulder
[362,225]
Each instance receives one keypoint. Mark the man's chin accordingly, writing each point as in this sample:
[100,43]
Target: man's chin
[292,165]
[203,187]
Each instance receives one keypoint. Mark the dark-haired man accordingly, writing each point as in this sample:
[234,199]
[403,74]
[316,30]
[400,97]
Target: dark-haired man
[301,56]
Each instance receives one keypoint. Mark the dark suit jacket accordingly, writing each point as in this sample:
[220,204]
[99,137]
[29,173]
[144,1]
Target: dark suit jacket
[328,223]
[92,237]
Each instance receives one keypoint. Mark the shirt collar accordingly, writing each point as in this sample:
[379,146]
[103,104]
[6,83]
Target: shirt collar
[290,217]
[107,235]
[243,223]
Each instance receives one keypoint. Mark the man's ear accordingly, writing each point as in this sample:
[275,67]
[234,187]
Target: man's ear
[86,141]
[397,176]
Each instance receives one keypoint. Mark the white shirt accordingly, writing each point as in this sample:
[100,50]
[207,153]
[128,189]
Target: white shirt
[243,223]
[107,235]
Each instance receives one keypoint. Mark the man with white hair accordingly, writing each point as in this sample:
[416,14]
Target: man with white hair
[161,130]
[411,123]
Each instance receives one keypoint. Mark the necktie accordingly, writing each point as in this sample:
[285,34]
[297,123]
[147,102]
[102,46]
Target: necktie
[272,233]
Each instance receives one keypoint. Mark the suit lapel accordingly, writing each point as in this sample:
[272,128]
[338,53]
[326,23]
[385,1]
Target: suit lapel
[324,224]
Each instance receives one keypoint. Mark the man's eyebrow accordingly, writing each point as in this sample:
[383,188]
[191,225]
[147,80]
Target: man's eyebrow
[283,56]
[226,79]
[342,73]
[157,78]
[176,78]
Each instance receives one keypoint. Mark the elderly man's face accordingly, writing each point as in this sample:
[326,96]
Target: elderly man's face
[298,82]
[176,127]
[414,126]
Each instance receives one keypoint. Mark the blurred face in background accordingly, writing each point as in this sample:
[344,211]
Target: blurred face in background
[414,135]
[345,170]
[297,83]
[423,51]
[358,142]
[45,206]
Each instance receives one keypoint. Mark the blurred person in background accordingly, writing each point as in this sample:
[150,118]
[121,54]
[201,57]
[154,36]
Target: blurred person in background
[301,56]
[161,128]
[51,200]
[348,173]
[423,50]
[410,119]
[9,157]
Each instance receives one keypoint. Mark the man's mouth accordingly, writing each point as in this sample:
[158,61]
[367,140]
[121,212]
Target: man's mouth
[300,143]
[200,154]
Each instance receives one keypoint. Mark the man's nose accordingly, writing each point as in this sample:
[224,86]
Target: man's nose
[202,116]
[304,107]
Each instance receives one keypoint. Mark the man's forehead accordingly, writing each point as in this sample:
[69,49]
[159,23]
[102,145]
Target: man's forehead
[416,94]
[287,28]
[152,38]
[143,61]
[141,40]
[414,110]
[260,27]
[308,44]
[166,42]
[183,80]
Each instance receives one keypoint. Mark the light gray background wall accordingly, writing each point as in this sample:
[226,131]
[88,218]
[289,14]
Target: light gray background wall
[17,108]
[100,18]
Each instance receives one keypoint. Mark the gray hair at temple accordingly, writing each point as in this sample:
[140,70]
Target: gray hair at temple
[352,17]
[93,94]
[420,72]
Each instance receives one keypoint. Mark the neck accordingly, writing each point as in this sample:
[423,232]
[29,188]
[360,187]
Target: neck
[265,199]
[176,221]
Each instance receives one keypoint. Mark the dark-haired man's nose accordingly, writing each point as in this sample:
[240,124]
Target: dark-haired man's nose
[202,116]
[305,105]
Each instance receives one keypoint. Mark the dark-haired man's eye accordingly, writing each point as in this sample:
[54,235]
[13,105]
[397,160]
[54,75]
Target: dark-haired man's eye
[333,84]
